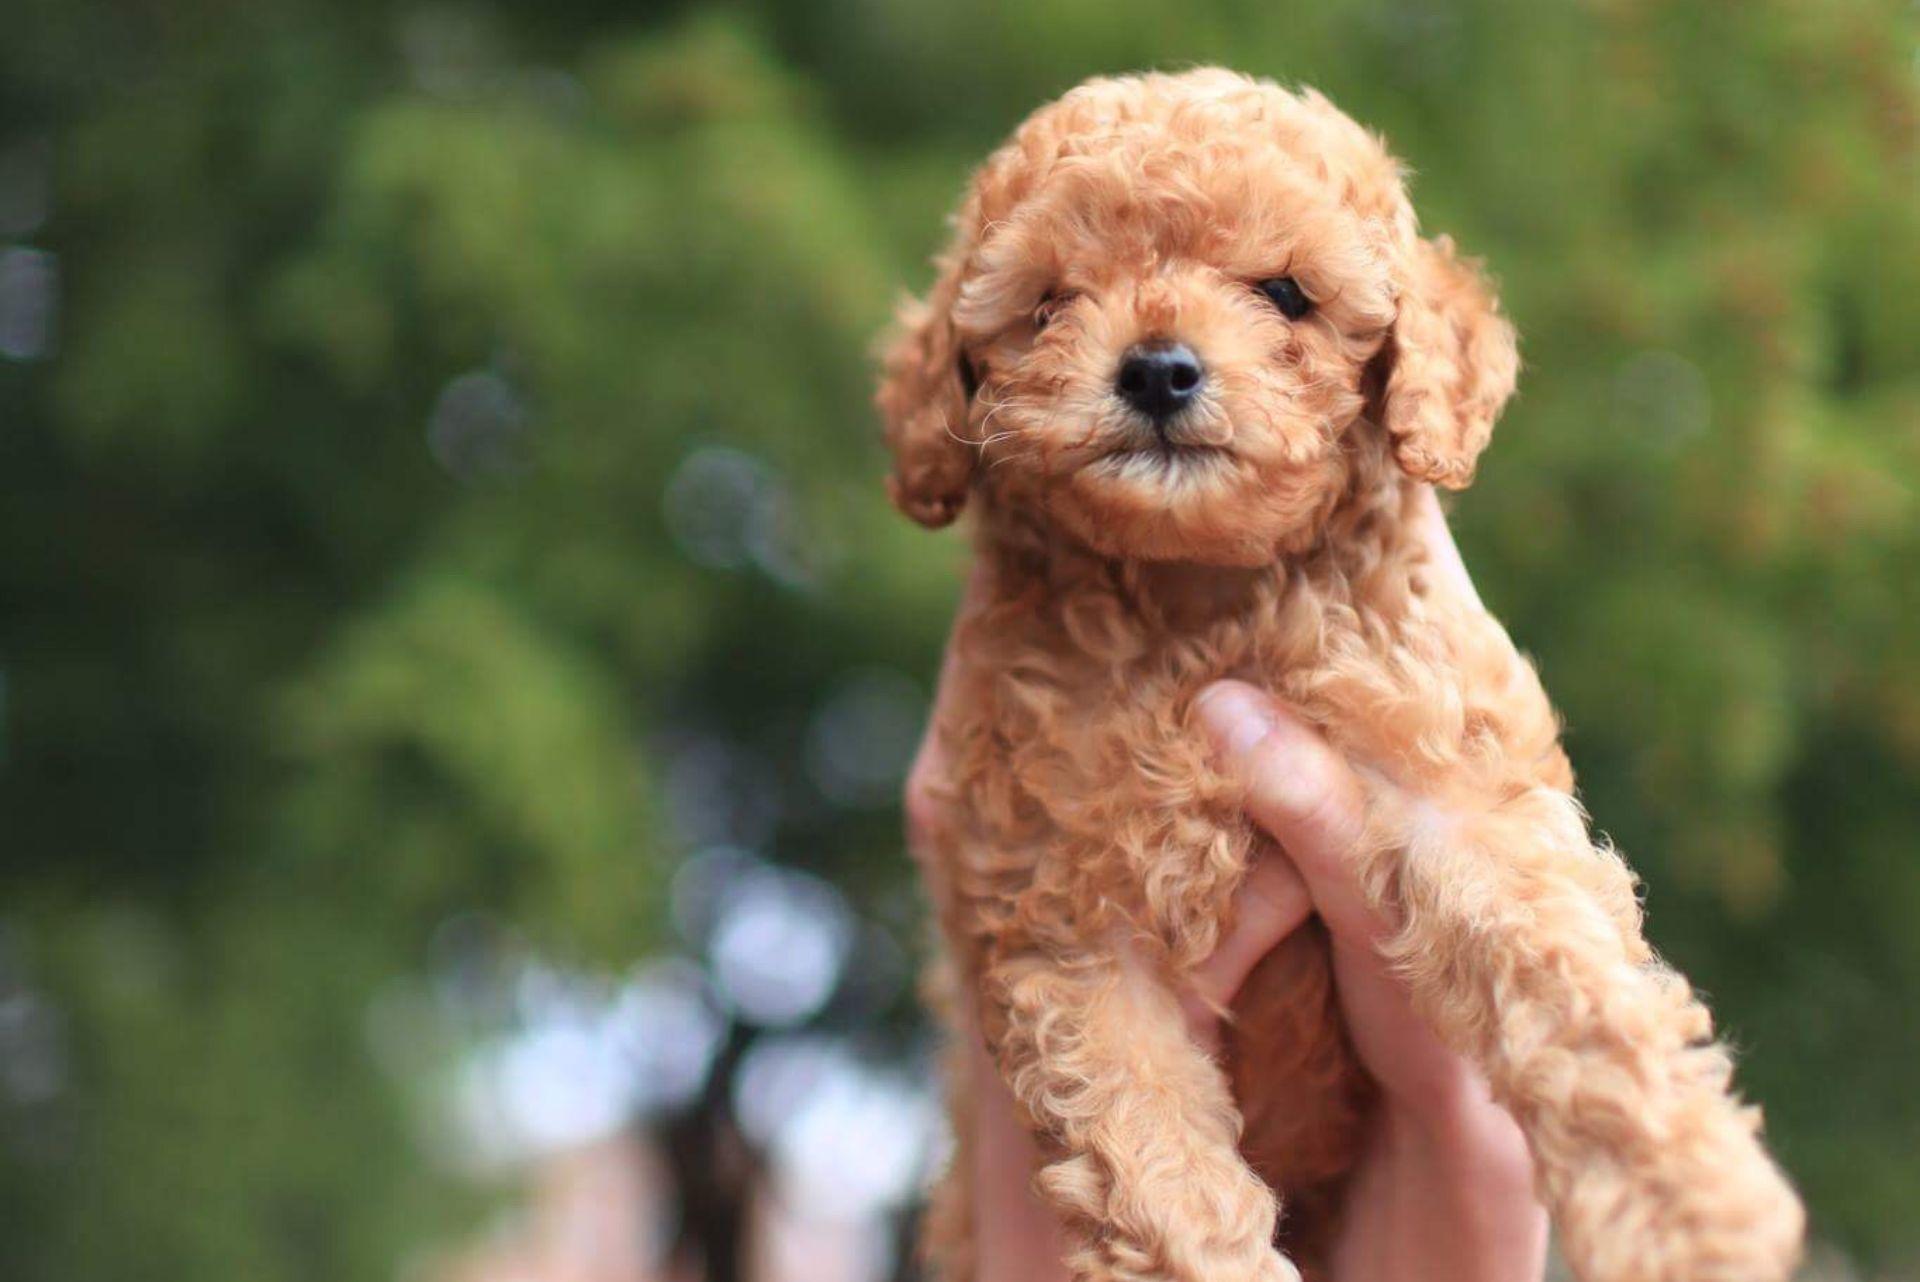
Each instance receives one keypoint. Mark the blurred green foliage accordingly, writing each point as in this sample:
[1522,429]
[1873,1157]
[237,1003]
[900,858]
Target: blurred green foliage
[354,574]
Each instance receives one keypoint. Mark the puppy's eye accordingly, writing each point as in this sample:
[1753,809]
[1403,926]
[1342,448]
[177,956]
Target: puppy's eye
[1285,293]
[1050,305]
[969,377]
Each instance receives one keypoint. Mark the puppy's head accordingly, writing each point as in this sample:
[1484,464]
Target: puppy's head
[1171,306]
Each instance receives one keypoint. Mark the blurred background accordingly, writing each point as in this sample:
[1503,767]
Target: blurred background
[457,663]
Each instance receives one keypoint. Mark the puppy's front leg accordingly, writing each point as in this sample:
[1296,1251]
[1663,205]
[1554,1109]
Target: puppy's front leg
[1137,1121]
[1521,941]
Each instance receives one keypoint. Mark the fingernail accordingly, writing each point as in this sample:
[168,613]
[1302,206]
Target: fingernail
[1236,716]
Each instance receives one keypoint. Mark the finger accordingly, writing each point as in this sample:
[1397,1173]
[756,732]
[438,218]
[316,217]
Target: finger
[925,809]
[1301,792]
[1269,906]
[1443,554]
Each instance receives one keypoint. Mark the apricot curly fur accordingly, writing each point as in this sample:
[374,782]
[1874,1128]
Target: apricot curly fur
[1091,847]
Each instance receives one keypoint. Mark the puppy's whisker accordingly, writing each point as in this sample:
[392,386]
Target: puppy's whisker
[955,437]
[998,437]
[987,419]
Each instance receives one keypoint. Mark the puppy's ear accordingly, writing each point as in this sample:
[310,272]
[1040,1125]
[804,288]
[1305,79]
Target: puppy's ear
[925,398]
[1446,369]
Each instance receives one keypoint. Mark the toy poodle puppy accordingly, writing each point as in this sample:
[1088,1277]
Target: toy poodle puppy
[1192,363]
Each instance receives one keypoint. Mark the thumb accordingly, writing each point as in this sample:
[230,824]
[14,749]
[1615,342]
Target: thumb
[1301,791]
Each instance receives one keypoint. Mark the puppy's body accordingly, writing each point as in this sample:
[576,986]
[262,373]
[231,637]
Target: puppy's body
[1260,529]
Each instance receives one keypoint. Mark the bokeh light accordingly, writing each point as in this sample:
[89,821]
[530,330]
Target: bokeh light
[29,302]
[477,426]
[861,741]
[777,945]
[32,1035]
[850,1139]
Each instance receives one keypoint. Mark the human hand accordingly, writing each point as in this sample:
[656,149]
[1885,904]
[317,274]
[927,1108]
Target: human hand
[1444,1186]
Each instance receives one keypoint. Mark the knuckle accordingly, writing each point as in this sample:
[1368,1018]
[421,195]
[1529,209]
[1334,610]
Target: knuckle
[1305,789]
[1272,897]
[921,801]
[1328,812]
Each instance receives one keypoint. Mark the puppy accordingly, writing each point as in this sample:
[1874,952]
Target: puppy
[1191,361]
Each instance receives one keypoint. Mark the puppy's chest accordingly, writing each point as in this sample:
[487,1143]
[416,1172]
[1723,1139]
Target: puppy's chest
[1101,746]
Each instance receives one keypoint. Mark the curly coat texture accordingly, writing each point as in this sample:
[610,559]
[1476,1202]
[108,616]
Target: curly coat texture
[1090,847]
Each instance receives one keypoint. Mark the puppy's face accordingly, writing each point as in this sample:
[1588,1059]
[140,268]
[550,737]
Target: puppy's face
[1170,304]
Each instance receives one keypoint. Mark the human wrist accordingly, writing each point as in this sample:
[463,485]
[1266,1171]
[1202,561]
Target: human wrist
[1453,1128]
[1471,1163]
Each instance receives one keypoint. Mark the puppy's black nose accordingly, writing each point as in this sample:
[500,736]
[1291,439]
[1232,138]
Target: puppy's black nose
[1158,379]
